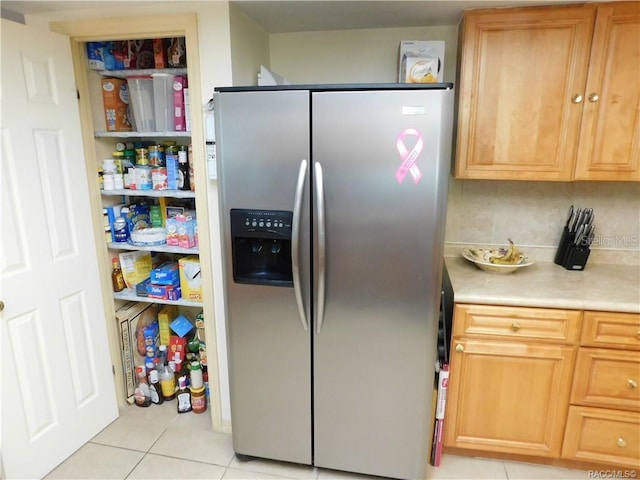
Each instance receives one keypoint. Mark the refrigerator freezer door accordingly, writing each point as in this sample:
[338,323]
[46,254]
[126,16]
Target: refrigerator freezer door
[385,164]
[262,140]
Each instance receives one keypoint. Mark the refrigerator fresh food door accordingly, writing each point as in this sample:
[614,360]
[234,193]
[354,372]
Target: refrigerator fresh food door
[262,140]
[381,165]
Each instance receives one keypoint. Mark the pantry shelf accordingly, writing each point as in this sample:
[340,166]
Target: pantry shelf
[149,193]
[129,294]
[153,248]
[104,134]
[141,72]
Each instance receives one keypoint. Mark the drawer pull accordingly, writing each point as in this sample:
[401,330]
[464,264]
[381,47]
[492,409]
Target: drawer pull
[459,348]
[632,383]
[515,326]
[621,442]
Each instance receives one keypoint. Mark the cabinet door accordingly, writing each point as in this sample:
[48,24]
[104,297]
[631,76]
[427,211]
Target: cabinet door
[508,397]
[601,435]
[607,378]
[609,147]
[520,69]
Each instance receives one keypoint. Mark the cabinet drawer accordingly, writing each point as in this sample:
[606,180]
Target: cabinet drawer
[603,436]
[542,324]
[607,378]
[609,329]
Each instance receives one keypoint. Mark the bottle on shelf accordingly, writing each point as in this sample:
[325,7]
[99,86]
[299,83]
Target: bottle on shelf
[198,400]
[120,227]
[154,386]
[117,278]
[183,169]
[196,378]
[142,393]
[183,396]
[168,383]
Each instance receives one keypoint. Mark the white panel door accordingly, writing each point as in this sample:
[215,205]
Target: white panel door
[57,382]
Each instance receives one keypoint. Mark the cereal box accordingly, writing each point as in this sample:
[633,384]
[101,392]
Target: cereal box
[115,98]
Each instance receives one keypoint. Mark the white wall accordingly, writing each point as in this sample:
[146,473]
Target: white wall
[249,47]
[353,56]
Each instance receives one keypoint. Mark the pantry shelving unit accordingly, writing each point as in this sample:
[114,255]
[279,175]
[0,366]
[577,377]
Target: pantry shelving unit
[98,143]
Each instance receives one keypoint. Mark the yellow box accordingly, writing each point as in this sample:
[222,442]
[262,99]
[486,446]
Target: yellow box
[190,278]
[165,317]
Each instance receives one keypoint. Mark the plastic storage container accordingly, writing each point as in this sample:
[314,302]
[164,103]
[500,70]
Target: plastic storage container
[163,101]
[141,98]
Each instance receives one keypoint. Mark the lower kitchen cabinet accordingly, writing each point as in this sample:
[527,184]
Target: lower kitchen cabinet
[604,417]
[552,384]
[508,388]
[508,396]
[603,435]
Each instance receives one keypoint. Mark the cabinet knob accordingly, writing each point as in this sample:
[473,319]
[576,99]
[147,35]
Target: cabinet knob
[632,383]
[2,307]
[621,442]
[638,335]
[459,348]
[515,326]
[577,98]
[594,97]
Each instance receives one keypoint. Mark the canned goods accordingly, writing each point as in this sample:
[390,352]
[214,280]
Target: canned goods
[142,156]
[156,156]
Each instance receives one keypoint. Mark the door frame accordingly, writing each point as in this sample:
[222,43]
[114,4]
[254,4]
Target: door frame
[124,28]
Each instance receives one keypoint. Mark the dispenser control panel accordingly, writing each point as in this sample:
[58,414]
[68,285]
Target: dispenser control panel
[261,223]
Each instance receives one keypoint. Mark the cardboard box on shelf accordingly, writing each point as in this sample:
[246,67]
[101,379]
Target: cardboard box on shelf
[165,317]
[179,84]
[190,278]
[136,267]
[160,52]
[421,61]
[133,319]
[140,54]
[115,99]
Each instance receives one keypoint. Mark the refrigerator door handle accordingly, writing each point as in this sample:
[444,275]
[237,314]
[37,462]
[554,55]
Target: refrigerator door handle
[322,244]
[295,242]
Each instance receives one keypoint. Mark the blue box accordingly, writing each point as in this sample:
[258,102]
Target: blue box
[164,292]
[166,274]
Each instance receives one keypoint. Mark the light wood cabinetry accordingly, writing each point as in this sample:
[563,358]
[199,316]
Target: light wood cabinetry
[543,95]
[609,145]
[603,424]
[510,379]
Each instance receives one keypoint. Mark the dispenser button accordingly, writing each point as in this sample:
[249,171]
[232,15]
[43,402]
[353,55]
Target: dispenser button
[254,223]
[261,224]
[268,224]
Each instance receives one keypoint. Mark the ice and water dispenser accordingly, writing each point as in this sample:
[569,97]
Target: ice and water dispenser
[261,247]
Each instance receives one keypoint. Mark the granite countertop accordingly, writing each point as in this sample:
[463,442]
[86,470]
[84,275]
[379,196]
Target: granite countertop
[605,287]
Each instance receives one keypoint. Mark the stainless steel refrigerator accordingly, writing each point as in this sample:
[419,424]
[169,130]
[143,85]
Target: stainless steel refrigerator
[332,200]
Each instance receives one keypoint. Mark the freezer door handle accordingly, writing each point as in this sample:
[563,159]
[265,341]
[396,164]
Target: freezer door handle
[322,243]
[295,242]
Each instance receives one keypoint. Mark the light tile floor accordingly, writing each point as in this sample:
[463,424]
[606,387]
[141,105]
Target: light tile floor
[157,443]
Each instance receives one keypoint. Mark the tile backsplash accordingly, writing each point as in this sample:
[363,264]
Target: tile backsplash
[532,214]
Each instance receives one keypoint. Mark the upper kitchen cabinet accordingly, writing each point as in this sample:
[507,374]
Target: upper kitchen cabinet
[545,96]
[609,146]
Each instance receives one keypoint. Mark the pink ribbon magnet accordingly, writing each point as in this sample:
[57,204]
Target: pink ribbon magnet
[409,157]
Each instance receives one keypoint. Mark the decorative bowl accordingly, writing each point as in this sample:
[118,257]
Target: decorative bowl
[480,257]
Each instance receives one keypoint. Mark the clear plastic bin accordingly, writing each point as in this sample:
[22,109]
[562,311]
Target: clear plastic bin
[141,98]
[163,101]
